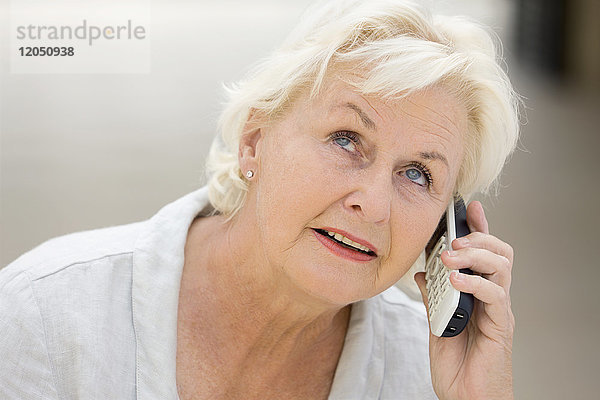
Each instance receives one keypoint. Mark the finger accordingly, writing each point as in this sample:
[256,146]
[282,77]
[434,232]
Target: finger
[484,241]
[496,300]
[476,217]
[495,267]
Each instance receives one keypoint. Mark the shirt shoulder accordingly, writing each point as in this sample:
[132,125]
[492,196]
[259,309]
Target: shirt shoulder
[26,370]
[80,247]
[70,304]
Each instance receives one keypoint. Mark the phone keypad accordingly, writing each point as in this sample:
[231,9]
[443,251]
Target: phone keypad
[437,276]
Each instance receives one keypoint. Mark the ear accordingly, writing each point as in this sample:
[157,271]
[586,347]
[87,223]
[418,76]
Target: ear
[250,144]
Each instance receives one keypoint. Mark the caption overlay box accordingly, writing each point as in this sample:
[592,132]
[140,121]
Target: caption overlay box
[82,36]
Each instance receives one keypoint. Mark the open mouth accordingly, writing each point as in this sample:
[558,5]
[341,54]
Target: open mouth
[330,236]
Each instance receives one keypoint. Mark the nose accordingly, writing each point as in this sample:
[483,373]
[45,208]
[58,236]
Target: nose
[371,199]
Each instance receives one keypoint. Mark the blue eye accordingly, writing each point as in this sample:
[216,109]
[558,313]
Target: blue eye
[346,140]
[343,141]
[420,175]
[413,174]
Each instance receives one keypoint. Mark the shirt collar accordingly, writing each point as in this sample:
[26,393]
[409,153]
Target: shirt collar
[157,267]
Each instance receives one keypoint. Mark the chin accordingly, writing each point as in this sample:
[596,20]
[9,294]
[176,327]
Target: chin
[336,283]
[332,279]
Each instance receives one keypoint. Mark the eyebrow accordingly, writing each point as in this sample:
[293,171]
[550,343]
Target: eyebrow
[367,122]
[433,155]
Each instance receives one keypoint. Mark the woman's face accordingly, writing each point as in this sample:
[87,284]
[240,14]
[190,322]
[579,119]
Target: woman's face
[380,173]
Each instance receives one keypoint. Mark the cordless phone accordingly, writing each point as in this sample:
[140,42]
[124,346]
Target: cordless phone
[449,309]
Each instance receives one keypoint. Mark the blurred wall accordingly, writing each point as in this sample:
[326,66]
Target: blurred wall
[560,37]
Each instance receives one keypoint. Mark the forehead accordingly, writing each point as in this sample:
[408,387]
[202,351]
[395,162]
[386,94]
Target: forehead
[431,116]
[430,108]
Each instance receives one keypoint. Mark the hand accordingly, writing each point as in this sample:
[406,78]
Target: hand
[476,364]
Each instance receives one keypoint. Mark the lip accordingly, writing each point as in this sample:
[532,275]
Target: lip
[342,251]
[352,237]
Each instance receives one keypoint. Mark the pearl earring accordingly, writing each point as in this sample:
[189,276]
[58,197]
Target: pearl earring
[249,174]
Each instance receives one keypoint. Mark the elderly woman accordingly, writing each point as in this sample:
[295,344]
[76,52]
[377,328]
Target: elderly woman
[336,160]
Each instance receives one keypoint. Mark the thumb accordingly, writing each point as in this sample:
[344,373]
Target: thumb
[422,284]
[420,280]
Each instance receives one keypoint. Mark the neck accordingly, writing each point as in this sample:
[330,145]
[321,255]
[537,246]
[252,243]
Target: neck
[231,297]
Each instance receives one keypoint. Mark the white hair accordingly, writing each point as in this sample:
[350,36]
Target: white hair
[400,48]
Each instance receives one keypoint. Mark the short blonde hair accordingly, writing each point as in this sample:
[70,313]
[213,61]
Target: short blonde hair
[402,48]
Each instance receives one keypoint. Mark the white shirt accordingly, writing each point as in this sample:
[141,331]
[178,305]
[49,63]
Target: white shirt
[93,315]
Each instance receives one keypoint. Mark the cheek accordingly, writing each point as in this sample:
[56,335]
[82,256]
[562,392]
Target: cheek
[410,233]
[292,188]
[290,174]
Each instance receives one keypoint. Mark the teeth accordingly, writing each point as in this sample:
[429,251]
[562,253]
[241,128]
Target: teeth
[349,242]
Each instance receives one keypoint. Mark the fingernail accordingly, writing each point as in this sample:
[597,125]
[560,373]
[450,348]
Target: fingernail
[457,275]
[451,253]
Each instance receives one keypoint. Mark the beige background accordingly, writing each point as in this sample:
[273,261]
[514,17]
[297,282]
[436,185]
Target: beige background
[85,151]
